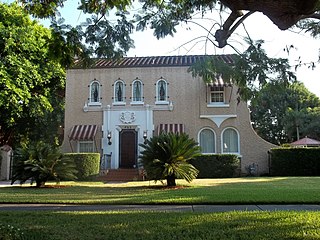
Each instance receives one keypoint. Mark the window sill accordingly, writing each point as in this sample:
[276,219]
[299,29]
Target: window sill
[218,105]
[119,104]
[162,102]
[94,104]
[137,103]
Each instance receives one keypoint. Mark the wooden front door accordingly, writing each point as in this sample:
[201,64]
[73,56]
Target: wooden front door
[128,148]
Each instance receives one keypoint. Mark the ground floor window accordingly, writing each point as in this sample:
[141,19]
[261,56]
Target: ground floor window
[86,146]
[230,141]
[207,141]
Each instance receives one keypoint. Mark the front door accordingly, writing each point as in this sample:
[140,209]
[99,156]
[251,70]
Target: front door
[128,148]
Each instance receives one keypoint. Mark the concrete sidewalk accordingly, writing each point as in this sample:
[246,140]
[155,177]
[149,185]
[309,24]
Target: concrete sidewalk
[162,208]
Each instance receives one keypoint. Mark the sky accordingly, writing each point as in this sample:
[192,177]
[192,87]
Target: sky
[257,25]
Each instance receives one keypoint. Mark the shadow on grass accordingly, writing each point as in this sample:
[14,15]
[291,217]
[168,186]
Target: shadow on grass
[161,225]
[214,191]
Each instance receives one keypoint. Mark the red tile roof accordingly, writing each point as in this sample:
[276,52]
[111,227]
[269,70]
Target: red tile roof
[156,61]
[306,142]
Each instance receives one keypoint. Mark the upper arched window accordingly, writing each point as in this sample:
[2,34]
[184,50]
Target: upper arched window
[94,92]
[207,140]
[230,141]
[119,92]
[162,91]
[137,91]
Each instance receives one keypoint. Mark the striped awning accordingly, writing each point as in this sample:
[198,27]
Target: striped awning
[218,82]
[171,127]
[83,132]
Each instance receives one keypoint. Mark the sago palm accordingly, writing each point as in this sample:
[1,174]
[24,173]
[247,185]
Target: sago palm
[41,162]
[166,157]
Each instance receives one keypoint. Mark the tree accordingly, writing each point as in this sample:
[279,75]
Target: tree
[110,37]
[283,112]
[41,162]
[164,16]
[32,78]
[166,157]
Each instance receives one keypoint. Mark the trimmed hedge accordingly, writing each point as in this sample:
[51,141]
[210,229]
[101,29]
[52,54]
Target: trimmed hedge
[88,164]
[295,162]
[217,165]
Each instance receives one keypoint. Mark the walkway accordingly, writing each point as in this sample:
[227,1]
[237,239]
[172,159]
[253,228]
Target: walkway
[163,208]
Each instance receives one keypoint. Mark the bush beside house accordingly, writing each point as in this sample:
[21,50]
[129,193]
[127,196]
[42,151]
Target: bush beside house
[217,165]
[295,162]
[87,164]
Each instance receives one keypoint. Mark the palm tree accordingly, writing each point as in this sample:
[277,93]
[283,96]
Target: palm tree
[41,162]
[166,157]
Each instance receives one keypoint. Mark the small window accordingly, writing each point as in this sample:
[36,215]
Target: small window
[207,141]
[119,92]
[94,93]
[162,92]
[217,95]
[86,146]
[230,141]
[137,91]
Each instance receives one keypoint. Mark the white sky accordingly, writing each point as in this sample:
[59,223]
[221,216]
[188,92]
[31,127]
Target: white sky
[257,25]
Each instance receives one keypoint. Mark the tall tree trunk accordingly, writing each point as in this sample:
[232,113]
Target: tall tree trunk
[171,181]
[284,13]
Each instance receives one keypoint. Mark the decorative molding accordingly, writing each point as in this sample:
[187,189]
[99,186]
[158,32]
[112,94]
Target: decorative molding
[218,119]
[127,117]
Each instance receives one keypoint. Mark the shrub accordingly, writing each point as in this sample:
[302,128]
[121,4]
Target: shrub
[166,157]
[41,162]
[217,165]
[295,162]
[87,164]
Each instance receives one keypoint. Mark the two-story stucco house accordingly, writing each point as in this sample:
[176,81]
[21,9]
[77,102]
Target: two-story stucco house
[114,106]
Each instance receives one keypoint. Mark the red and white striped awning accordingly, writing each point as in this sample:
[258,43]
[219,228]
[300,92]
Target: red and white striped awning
[83,132]
[171,127]
[219,82]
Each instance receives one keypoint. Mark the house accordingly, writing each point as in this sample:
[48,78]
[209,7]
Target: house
[115,105]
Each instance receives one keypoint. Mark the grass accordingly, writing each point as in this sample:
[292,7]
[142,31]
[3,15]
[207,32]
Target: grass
[202,191]
[247,225]
[159,225]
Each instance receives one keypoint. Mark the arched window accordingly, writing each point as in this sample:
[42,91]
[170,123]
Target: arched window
[230,141]
[119,91]
[137,91]
[94,92]
[207,141]
[162,91]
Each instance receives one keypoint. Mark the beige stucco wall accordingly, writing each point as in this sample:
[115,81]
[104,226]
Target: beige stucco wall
[188,94]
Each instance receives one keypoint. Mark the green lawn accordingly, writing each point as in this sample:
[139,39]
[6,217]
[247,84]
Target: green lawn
[201,191]
[55,225]
[160,225]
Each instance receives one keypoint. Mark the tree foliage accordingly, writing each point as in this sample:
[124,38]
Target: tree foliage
[109,38]
[31,78]
[250,70]
[41,162]
[283,112]
[103,36]
[166,157]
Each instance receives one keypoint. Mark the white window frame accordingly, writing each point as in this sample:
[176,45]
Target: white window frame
[133,100]
[217,90]
[165,101]
[85,142]
[115,99]
[222,141]
[91,102]
[214,139]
